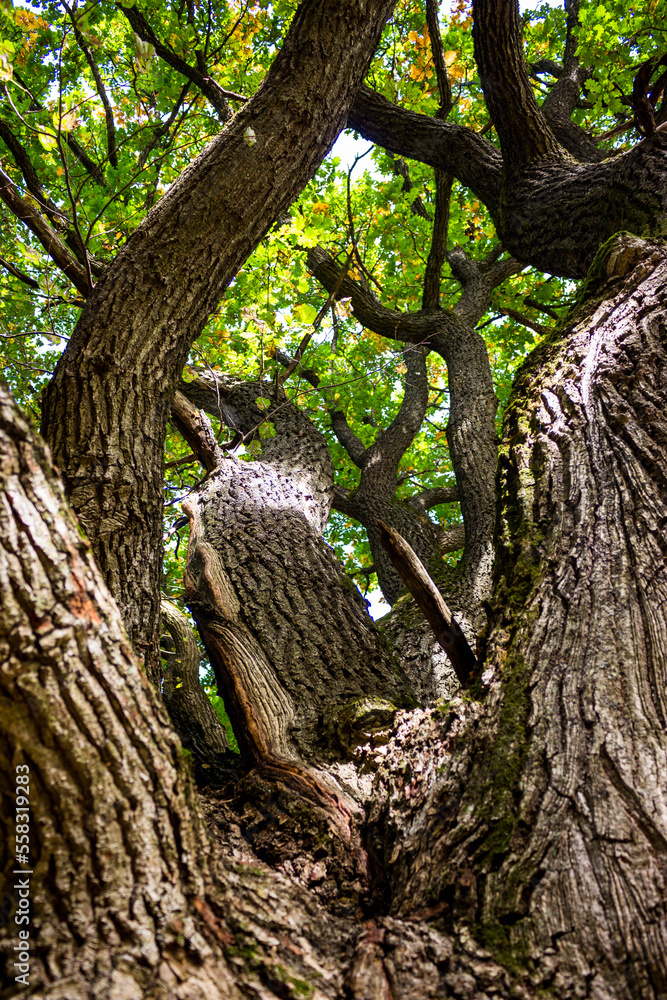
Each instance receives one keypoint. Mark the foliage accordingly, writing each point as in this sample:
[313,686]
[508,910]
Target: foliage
[102,123]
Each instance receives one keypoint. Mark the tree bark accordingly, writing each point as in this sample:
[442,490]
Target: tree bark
[106,408]
[546,830]
[553,214]
[515,843]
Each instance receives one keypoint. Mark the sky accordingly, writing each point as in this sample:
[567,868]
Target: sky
[346,147]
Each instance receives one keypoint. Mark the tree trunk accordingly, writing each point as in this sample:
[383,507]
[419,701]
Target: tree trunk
[106,408]
[515,844]
[549,843]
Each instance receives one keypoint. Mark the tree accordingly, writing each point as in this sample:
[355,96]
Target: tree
[506,841]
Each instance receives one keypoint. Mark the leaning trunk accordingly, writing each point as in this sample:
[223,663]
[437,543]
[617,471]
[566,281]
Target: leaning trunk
[106,408]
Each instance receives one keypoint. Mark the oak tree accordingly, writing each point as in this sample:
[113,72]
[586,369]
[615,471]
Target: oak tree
[465,800]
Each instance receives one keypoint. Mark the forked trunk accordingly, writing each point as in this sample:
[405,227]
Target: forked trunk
[517,843]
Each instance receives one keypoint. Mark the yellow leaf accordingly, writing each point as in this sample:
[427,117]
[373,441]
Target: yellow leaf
[321,208]
[416,73]
[450,58]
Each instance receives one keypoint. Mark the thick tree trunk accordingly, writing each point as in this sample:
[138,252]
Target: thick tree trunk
[549,843]
[513,844]
[106,408]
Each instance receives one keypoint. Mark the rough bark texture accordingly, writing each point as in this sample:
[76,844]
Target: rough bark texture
[552,214]
[552,810]
[106,408]
[259,569]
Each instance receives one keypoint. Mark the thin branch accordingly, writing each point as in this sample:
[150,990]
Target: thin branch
[529,323]
[430,602]
[18,273]
[49,239]
[99,86]
[215,94]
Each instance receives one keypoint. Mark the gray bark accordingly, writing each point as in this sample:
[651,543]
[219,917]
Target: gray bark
[550,816]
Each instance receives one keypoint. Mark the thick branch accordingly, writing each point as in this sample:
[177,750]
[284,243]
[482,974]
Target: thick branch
[346,436]
[478,279]
[521,127]
[384,455]
[431,604]
[412,328]
[431,498]
[196,428]
[193,716]
[452,148]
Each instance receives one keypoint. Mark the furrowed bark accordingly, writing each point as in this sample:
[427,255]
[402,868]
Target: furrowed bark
[123,899]
[521,127]
[551,214]
[106,408]
[553,855]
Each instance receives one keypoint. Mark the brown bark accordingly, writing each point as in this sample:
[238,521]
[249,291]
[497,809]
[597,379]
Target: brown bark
[106,408]
[546,830]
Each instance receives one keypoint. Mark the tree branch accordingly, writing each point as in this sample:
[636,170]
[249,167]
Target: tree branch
[431,498]
[192,714]
[451,539]
[384,455]
[18,273]
[531,324]
[51,242]
[564,96]
[522,129]
[452,148]
[215,94]
[347,438]
[99,86]
[478,279]
[195,427]
[431,604]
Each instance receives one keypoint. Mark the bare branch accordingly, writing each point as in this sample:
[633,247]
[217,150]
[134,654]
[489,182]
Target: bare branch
[349,440]
[452,148]
[438,50]
[430,602]
[431,498]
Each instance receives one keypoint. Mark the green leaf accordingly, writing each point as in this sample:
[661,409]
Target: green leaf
[305,313]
